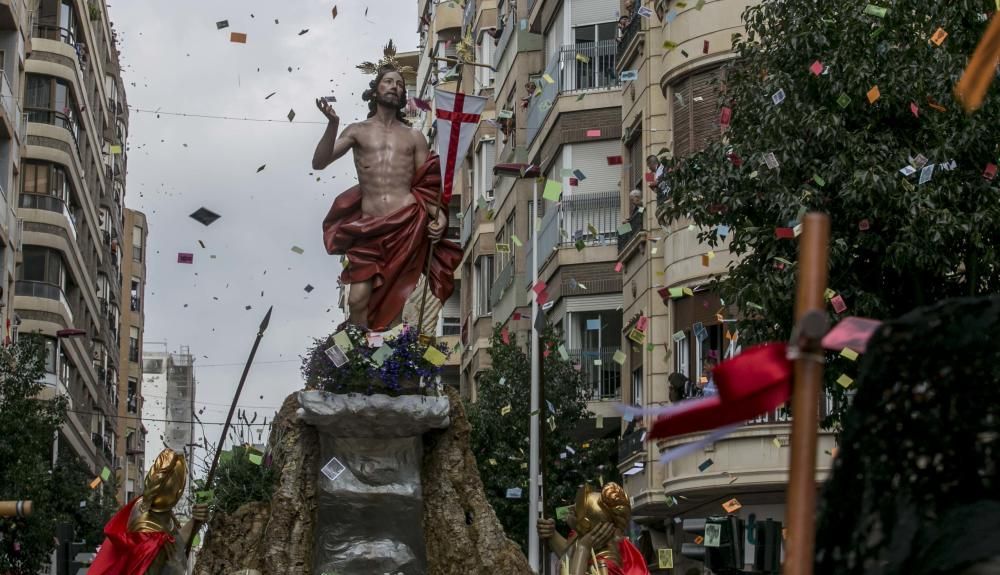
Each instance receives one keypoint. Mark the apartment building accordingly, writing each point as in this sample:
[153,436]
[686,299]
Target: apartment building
[71,179]
[15,36]
[671,108]
[131,431]
[168,398]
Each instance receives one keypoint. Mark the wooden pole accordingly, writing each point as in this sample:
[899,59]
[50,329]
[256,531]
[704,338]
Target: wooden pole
[229,419]
[15,508]
[812,281]
[430,251]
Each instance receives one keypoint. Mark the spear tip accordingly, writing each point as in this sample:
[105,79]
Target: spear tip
[267,320]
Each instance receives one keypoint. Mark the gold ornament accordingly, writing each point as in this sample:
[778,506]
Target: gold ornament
[388,61]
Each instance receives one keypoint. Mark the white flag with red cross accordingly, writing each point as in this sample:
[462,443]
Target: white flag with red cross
[457,118]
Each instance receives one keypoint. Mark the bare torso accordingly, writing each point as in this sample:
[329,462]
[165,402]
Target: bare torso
[386,158]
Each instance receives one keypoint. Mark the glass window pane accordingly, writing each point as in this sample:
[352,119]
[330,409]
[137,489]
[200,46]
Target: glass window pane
[33,267]
[37,93]
[585,34]
[606,31]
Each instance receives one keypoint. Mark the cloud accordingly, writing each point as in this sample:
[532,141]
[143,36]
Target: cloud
[180,62]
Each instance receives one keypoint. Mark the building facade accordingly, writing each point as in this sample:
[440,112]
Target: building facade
[131,431]
[672,57]
[168,396]
[15,38]
[71,182]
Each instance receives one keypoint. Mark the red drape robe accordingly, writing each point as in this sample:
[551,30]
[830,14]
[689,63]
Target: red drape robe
[632,561]
[391,250]
[124,552]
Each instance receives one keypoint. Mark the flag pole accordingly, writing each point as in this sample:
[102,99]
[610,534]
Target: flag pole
[809,307]
[428,339]
[229,419]
[534,475]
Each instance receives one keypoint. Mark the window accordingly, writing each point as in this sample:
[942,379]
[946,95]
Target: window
[695,112]
[137,243]
[42,265]
[504,238]
[682,353]
[637,398]
[152,366]
[451,315]
[133,404]
[50,100]
[597,70]
[50,355]
[133,344]
[485,77]
[483,278]
[136,297]
[483,170]
[636,161]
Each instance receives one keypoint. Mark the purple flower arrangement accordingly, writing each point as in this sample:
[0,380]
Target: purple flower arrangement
[367,370]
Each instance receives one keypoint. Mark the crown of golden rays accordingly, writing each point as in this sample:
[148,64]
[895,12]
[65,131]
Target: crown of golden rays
[388,61]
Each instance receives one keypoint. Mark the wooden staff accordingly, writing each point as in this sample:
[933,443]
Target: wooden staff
[428,339]
[229,418]
[15,508]
[809,307]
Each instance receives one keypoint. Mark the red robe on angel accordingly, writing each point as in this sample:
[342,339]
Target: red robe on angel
[124,552]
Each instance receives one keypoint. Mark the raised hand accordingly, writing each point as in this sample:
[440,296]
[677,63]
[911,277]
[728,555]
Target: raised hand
[327,110]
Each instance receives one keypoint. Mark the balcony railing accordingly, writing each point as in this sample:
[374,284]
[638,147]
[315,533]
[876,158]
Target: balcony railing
[579,67]
[589,217]
[600,371]
[508,31]
[43,290]
[10,104]
[630,32]
[467,217]
[504,280]
[52,32]
[49,204]
[55,118]
[630,444]
[636,223]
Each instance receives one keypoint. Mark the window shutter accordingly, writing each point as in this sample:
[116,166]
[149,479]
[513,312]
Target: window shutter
[681,103]
[592,11]
[591,158]
[705,110]
[695,112]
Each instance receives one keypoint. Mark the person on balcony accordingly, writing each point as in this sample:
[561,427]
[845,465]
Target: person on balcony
[635,203]
[660,184]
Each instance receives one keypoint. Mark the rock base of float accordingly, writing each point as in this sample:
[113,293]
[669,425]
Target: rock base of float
[369,498]
[460,533]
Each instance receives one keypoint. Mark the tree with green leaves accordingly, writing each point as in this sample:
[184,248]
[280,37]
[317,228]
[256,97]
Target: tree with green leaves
[61,494]
[847,109]
[500,419]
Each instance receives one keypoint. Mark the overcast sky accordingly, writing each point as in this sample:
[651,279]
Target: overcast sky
[176,60]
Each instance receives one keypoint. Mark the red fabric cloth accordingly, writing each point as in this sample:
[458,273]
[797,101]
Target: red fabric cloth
[124,552]
[632,561]
[756,381]
[391,250]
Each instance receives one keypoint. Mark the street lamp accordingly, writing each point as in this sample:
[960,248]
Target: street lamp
[534,471]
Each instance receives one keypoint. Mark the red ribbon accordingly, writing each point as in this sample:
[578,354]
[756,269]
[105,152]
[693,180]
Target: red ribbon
[754,382]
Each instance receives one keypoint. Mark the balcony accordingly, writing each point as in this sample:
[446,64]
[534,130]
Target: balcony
[52,32]
[49,204]
[600,372]
[11,14]
[631,444]
[635,221]
[578,68]
[628,36]
[11,109]
[591,218]
[504,280]
[467,218]
[447,16]
[55,118]
[43,290]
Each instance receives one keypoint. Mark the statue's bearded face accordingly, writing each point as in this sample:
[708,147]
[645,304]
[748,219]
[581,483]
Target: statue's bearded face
[391,91]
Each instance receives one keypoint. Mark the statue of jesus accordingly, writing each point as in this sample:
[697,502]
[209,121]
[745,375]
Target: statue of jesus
[386,225]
